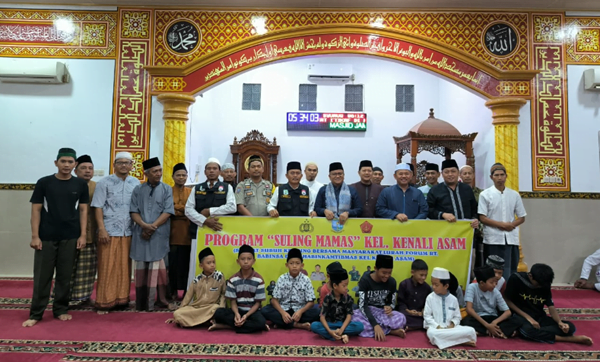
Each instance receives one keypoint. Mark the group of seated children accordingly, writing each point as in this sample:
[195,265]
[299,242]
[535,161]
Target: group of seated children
[382,309]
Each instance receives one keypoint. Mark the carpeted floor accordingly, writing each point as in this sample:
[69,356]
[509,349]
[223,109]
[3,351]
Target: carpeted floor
[129,336]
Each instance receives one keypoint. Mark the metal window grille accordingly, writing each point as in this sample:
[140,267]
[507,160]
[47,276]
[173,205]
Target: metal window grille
[405,98]
[307,97]
[354,98]
[251,97]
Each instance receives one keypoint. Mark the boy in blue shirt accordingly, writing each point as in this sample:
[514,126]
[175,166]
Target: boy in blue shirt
[483,302]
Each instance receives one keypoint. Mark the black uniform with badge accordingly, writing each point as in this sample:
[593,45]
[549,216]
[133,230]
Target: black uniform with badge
[207,197]
[292,202]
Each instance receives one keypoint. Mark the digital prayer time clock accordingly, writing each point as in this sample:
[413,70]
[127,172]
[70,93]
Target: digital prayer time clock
[321,121]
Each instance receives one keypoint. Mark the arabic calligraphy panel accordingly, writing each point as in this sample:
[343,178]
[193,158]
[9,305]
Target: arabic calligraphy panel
[183,37]
[131,123]
[500,39]
[460,30]
[37,33]
[345,43]
[549,121]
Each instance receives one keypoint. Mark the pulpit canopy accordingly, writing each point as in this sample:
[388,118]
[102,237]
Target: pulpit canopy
[436,136]
[255,143]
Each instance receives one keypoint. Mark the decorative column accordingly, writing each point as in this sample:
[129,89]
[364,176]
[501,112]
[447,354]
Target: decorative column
[505,115]
[175,113]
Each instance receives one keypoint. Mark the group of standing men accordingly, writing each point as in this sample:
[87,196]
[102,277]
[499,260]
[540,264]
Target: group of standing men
[153,224]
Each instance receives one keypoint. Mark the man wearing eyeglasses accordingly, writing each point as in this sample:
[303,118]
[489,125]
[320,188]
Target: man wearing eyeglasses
[337,199]
[111,201]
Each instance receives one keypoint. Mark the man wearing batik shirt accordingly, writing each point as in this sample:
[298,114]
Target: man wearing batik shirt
[111,207]
[151,207]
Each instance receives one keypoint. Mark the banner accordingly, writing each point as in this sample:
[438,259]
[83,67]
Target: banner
[355,245]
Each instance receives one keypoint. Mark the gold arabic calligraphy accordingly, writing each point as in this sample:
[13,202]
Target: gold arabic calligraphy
[32,33]
[371,44]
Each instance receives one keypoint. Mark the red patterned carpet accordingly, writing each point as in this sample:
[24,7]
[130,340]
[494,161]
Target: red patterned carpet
[144,337]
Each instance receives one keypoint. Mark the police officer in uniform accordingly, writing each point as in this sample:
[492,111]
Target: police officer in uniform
[292,199]
[209,199]
[254,194]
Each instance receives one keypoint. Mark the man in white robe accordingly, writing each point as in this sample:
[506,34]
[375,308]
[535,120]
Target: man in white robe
[311,170]
[442,315]
[590,262]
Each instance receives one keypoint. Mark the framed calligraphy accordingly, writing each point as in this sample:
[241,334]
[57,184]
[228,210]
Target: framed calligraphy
[500,39]
[183,37]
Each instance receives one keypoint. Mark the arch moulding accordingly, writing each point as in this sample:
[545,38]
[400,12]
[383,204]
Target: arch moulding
[289,43]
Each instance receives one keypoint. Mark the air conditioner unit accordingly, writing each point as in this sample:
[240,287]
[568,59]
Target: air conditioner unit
[591,79]
[32,71]
[330,72]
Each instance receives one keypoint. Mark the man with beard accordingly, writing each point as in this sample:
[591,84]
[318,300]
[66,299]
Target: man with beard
[311,170]
[228,174]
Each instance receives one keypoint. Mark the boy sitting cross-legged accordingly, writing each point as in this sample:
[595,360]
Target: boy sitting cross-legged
[293,297]
[483,302]
[526,294]
[245,291]
[336,311]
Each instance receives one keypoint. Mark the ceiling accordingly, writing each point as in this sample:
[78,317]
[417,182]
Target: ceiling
[565,5]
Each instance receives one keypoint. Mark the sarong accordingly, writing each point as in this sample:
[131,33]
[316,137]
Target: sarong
[151,285]
[114,273]
[396,320]
[444,338]
[84,273]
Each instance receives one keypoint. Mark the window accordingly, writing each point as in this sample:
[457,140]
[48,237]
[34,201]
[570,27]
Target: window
[354,98]
[307,97]
[405,98]
[251,97]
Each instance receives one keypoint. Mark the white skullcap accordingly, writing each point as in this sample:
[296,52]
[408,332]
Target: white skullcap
[126,155]
[213,160]
[465,166]
[440,273]
[402,166]
[227,166]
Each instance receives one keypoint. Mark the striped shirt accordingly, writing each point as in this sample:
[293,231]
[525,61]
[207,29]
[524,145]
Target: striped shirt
[246,291]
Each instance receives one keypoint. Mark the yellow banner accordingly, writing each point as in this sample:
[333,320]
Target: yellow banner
[355,245]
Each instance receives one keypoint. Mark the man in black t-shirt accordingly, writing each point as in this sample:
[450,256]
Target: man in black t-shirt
[59,207]
[526,295]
